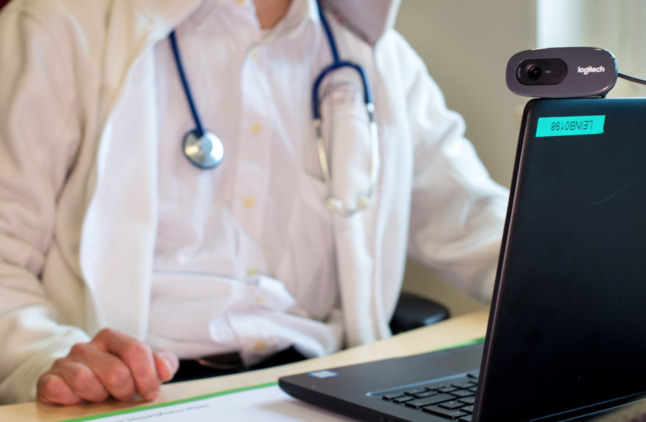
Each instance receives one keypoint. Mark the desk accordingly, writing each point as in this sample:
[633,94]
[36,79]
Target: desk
[444,334]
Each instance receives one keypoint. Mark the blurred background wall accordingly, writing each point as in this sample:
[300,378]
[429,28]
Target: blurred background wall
[466,45]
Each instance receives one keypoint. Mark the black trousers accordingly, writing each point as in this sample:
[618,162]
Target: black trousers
[191,370]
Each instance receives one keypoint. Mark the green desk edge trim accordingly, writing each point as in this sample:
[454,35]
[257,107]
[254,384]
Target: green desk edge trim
[170,403]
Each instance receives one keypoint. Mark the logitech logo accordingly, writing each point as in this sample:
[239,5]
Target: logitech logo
[591,69]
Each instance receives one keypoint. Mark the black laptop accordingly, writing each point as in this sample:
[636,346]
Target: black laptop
[566,338]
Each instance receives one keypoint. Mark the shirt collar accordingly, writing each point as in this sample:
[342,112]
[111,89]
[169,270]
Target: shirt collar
[204,13]
[299,15]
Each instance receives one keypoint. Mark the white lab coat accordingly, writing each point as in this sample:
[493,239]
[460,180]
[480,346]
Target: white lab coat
[78,208]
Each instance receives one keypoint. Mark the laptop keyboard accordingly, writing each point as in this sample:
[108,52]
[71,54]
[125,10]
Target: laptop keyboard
[452,398]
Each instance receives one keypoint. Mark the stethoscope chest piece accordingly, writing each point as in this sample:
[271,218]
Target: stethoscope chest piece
[205,151]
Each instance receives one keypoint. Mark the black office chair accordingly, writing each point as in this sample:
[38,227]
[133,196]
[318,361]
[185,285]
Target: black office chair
[414,311]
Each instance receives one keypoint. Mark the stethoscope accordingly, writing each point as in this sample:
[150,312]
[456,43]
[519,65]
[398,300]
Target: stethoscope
[205,149]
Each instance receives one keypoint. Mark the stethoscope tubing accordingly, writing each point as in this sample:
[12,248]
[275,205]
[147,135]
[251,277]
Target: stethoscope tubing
[367,96]
[205,150]
[316,111]
[199,127]
[336,64]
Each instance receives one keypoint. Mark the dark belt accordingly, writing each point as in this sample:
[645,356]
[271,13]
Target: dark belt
[230,363]
[223,361]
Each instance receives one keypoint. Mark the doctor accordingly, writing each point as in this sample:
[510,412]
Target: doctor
[120,254]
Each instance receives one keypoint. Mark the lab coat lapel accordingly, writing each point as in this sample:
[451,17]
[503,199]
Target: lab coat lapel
[358,242]
[358,279]
[117,246]
[366,299]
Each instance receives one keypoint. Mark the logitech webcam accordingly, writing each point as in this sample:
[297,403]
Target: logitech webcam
[564,72]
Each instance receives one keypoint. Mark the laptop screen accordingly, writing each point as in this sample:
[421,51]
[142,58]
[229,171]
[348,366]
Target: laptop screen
[569,313]
[565,334]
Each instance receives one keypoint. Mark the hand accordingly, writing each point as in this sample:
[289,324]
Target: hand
[111,364]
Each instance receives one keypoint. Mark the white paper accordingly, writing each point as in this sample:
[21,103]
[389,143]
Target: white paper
[266,404]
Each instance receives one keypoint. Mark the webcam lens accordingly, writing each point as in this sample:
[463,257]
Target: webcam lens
[541,71]
[534,72]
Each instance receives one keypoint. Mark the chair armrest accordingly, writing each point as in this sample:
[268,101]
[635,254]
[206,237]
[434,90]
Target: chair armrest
[414,311]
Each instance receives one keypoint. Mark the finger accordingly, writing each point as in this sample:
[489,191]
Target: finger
[166,363]
[137,356]
[113,374]
[52,389]
[80,379]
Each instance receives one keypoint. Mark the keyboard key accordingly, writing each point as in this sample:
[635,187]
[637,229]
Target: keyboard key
[403,399]
[427,393]
[468,400]
[391,396]
[453,404]
[438,398]
[466,418]
[415,391]
[462,393]
[464,385]
[451,414]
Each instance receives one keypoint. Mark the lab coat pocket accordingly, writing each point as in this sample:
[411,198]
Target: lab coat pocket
[349,146]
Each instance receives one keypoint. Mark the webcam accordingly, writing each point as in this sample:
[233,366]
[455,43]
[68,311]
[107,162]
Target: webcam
[564,72]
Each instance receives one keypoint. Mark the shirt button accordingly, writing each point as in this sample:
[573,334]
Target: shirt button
[241,2]
[256,128]
[260,346]
[259,300]
[249,202]
[252,271]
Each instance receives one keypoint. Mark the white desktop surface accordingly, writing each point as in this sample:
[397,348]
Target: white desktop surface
[448,333]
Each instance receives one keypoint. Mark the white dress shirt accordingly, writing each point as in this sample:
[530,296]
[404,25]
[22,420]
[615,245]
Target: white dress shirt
[243,251]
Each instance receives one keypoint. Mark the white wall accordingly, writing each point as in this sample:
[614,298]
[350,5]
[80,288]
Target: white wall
[466,45]
[615,25]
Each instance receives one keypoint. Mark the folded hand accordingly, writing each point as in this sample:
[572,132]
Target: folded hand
[112,364]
